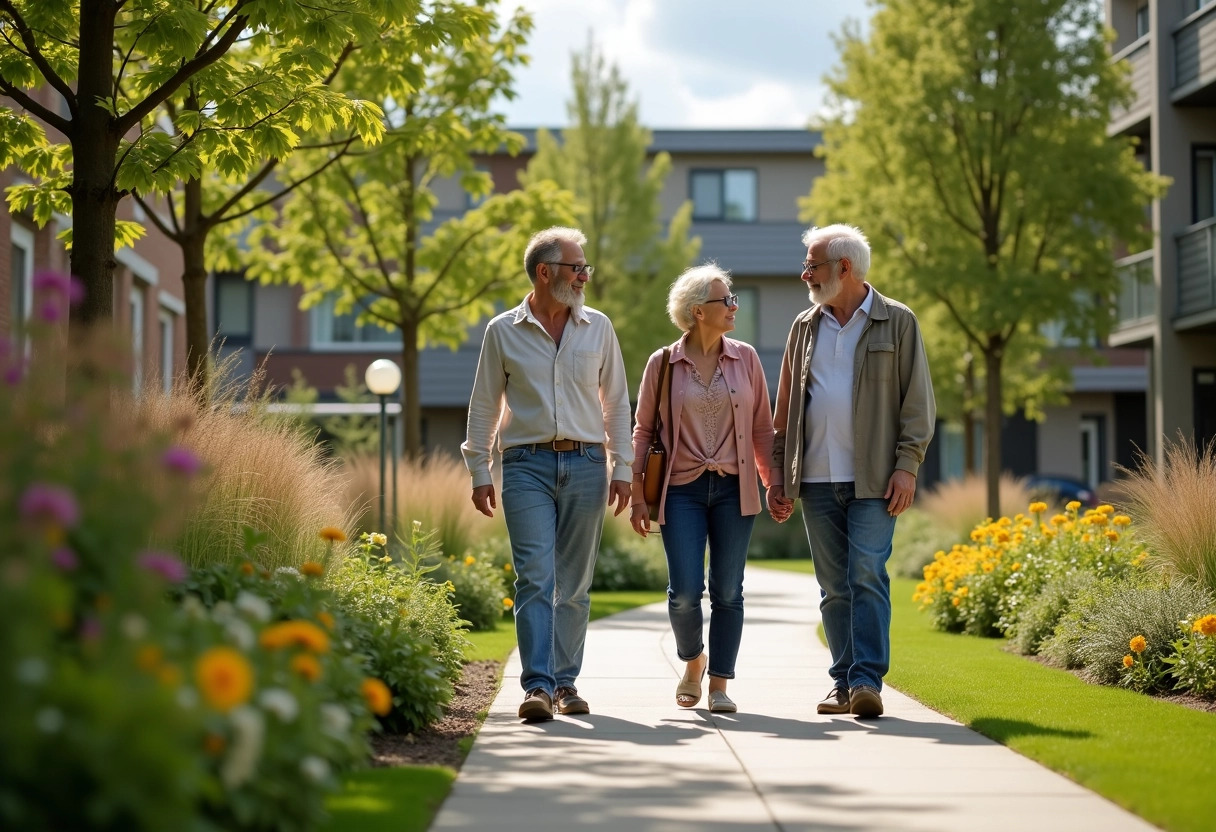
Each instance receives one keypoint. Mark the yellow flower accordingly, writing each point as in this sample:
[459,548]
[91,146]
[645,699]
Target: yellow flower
[963,592]
[333,534]
[312,569]
[295,634]
[507,603]
[1072,505]
[1097,519]
[326,619]
[1086,538]
[1138,644]
[506,567]
[956,601]
[1015,567]
[1205,625]
[379,539]
[1105,509]
[469,560]
[224,678]
[1111,535]
[379,697]
[1128,661]
[169,675]
[1037,508]
[1121,520]
[307,666]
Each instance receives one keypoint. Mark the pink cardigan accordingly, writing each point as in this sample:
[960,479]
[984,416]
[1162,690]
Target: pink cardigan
[753,420]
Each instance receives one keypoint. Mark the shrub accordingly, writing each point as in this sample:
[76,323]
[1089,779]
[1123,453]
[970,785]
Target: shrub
[1193,661]
[960,505]
[771,539]
[918,536]
[481,590]
[1176,503]
[1040,614]
[626,561]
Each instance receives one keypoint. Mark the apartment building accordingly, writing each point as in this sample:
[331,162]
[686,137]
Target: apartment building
[1167,300]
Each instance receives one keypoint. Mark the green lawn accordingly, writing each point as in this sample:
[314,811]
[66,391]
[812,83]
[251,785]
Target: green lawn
[1155,758]
[406,799]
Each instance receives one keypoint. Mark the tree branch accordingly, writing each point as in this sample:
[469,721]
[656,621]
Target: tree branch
[35,55]
[160,224]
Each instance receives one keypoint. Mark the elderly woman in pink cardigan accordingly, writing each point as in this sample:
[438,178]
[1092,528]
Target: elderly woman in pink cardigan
[718,431]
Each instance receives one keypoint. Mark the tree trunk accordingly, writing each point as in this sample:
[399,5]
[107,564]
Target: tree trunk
[969,461]
[411,404]
[994,354]
[94,156]
[193,242]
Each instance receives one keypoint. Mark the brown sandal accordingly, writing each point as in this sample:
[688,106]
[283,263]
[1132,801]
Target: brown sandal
[691,688]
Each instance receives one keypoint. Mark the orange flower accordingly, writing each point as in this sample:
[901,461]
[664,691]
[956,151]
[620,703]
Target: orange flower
[379,697]
[1138,644]
[224,678]
[307,666]
[1205,626]
[1128,661]
[169,675]
[295,634]
[312,569]
[326,620]
[1037,508]
[333,534]
[246,568]
[148,657]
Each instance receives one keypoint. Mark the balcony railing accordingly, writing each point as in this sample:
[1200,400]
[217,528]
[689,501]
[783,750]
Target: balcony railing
[1137,300]
[1138,56]
[1196,276]
[1195,50]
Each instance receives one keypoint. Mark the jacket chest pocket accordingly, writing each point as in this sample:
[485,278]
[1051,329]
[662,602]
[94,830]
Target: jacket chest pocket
[587,368]
[880,361]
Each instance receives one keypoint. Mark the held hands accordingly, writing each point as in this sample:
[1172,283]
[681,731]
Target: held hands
[618,492]
[483,500]
[639,518]
[779,506]
[900,490]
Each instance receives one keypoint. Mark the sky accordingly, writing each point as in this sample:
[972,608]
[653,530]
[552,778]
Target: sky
[689,63]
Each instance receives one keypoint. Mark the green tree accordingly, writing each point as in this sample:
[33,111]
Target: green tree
[602,158]
[970,143]
[358,233]
[115,63]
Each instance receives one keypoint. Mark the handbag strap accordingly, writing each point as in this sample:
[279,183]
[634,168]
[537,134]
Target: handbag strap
[658,399]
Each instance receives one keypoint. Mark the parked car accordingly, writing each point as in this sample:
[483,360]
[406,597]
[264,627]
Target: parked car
[1059,490]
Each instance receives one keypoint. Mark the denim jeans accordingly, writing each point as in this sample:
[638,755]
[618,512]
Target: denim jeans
[850,544]
[706,509]
[554,505]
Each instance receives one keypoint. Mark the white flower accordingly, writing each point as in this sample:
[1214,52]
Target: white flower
[134,627]
[249,731]
[241,634]
[280,703]
[193,608]
[253,606]
[32,671]
[287,570]
[335,720]
[314,768]
[222,612]
[379,539]
[49,720]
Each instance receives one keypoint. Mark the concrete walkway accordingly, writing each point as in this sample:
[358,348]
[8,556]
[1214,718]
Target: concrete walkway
[639,762]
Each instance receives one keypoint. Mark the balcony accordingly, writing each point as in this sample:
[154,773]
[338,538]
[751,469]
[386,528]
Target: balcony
[1195,58]
[1138,56]
[1137,300]
[1196,275]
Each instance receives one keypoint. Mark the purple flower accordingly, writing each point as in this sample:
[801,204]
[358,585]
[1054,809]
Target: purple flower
[50,310]
[182,460]
[14,374]
[65,559]
[50,503]
[163,564]
[66,287]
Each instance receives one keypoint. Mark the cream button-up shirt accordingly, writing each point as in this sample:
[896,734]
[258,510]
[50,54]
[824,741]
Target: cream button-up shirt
[529,389]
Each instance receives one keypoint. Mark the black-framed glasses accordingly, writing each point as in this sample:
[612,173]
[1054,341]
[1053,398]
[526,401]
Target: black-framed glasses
[729,300]
[579,268]
[809,268]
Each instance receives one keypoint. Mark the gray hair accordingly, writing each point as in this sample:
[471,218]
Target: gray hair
[690,289]
[843,241]
[546,247]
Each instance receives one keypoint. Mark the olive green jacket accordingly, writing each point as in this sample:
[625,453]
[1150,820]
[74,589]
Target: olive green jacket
[893,406]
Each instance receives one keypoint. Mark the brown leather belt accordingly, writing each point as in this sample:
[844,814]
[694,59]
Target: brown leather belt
[565,445]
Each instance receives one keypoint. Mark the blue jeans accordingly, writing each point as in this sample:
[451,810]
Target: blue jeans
[554,505]
[850,543]
[706,509]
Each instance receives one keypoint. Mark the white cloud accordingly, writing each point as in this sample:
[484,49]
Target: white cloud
[690,63]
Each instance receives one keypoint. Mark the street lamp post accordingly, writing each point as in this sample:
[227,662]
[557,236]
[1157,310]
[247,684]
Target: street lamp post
[383,377]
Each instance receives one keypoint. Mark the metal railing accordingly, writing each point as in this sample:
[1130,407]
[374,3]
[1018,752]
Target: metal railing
[1196,276]
[1137,299]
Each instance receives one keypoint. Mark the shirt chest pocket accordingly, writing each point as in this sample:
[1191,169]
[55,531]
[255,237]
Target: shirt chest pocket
[587,368]
[880,361]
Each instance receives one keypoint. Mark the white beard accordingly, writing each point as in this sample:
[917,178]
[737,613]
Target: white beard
[827,292]
[564,294]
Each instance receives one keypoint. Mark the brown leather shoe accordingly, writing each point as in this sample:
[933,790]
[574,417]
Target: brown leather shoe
[865,702]
[537,706]
[569,702]
[836,702]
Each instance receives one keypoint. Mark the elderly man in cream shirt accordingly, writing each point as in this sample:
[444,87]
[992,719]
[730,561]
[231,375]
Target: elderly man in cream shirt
[551,386]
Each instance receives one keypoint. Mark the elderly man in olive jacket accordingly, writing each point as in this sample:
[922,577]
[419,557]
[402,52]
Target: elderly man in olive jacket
[854,415]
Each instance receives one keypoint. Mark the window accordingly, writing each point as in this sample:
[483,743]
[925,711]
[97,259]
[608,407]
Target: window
[1142,24]
[234,309]
[137,337]
[21,275]
[1203,184]
[747,316]
[727,195]
[166,350]
[329,327]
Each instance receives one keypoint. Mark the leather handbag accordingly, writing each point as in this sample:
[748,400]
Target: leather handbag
[655,468]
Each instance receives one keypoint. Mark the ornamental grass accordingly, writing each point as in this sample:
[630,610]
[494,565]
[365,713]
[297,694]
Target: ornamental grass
[958,506]
[1175,503]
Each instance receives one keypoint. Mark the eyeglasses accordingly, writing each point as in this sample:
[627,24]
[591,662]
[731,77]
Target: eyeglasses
[809,268]
[579,268]
[729,300]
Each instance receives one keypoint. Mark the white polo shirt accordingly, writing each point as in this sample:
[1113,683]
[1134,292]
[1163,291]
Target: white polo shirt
[828,441]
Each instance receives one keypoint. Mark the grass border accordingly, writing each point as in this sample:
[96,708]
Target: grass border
[1150,756]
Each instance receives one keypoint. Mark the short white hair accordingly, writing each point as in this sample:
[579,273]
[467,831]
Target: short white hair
[842,241]
[690,289]
[546,246]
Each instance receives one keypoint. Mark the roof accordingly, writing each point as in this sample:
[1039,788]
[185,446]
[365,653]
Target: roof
[752,248]
[712,141]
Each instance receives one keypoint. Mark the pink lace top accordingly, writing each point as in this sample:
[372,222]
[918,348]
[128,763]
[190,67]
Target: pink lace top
[707,429]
